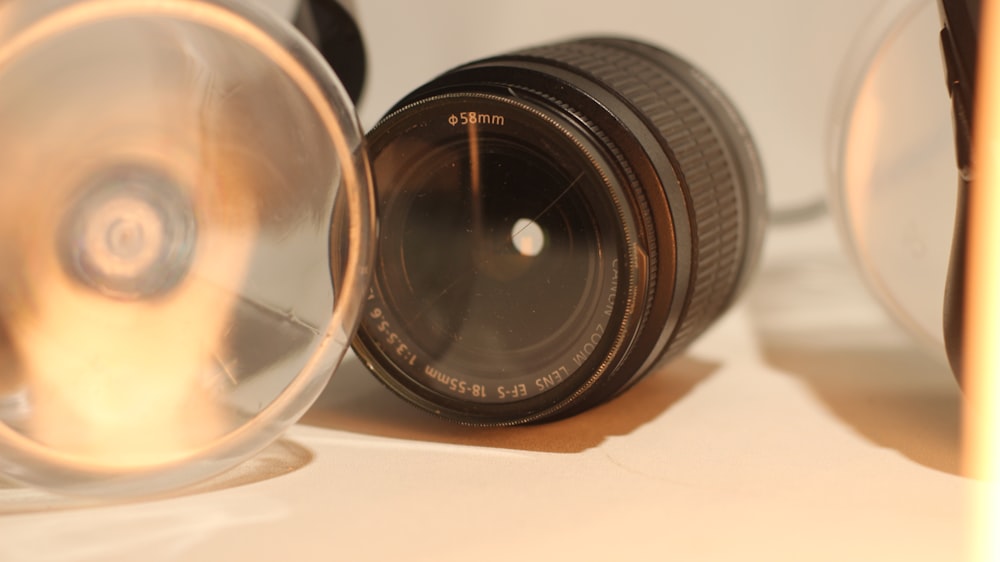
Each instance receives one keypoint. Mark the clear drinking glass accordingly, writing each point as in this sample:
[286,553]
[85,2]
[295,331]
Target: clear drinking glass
[185,231]
[892,164]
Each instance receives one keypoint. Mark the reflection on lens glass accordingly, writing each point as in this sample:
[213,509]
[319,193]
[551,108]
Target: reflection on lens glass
[495,261]
[527,237]
[479,285]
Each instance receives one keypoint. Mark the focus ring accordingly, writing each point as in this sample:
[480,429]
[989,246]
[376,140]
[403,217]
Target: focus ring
[644,78]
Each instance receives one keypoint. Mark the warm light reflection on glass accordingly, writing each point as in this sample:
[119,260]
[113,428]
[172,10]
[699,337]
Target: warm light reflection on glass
[864,130]
[122,383]
[166,258]
[127,382]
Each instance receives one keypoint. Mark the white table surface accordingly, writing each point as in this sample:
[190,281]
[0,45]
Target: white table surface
[804,426]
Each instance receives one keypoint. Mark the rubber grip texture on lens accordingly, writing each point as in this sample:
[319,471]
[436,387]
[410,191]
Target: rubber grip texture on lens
[650,80]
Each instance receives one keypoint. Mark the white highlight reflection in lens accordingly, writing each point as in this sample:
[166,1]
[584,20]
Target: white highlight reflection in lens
[528,237]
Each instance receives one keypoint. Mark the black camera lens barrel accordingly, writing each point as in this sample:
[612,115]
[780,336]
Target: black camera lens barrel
[638,162]
[709,156]
[332,27]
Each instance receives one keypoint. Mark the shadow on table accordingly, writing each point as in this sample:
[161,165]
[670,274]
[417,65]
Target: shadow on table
[816,321]
[355,401]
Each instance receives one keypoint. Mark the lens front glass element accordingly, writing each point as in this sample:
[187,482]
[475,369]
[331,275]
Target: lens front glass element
[499,252]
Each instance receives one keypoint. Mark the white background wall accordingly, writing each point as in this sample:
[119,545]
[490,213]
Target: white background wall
[778,59]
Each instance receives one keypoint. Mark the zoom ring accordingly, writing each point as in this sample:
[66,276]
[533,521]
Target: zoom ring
[645,78]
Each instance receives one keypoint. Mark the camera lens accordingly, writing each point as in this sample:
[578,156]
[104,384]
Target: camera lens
[554,223]
[332,27]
